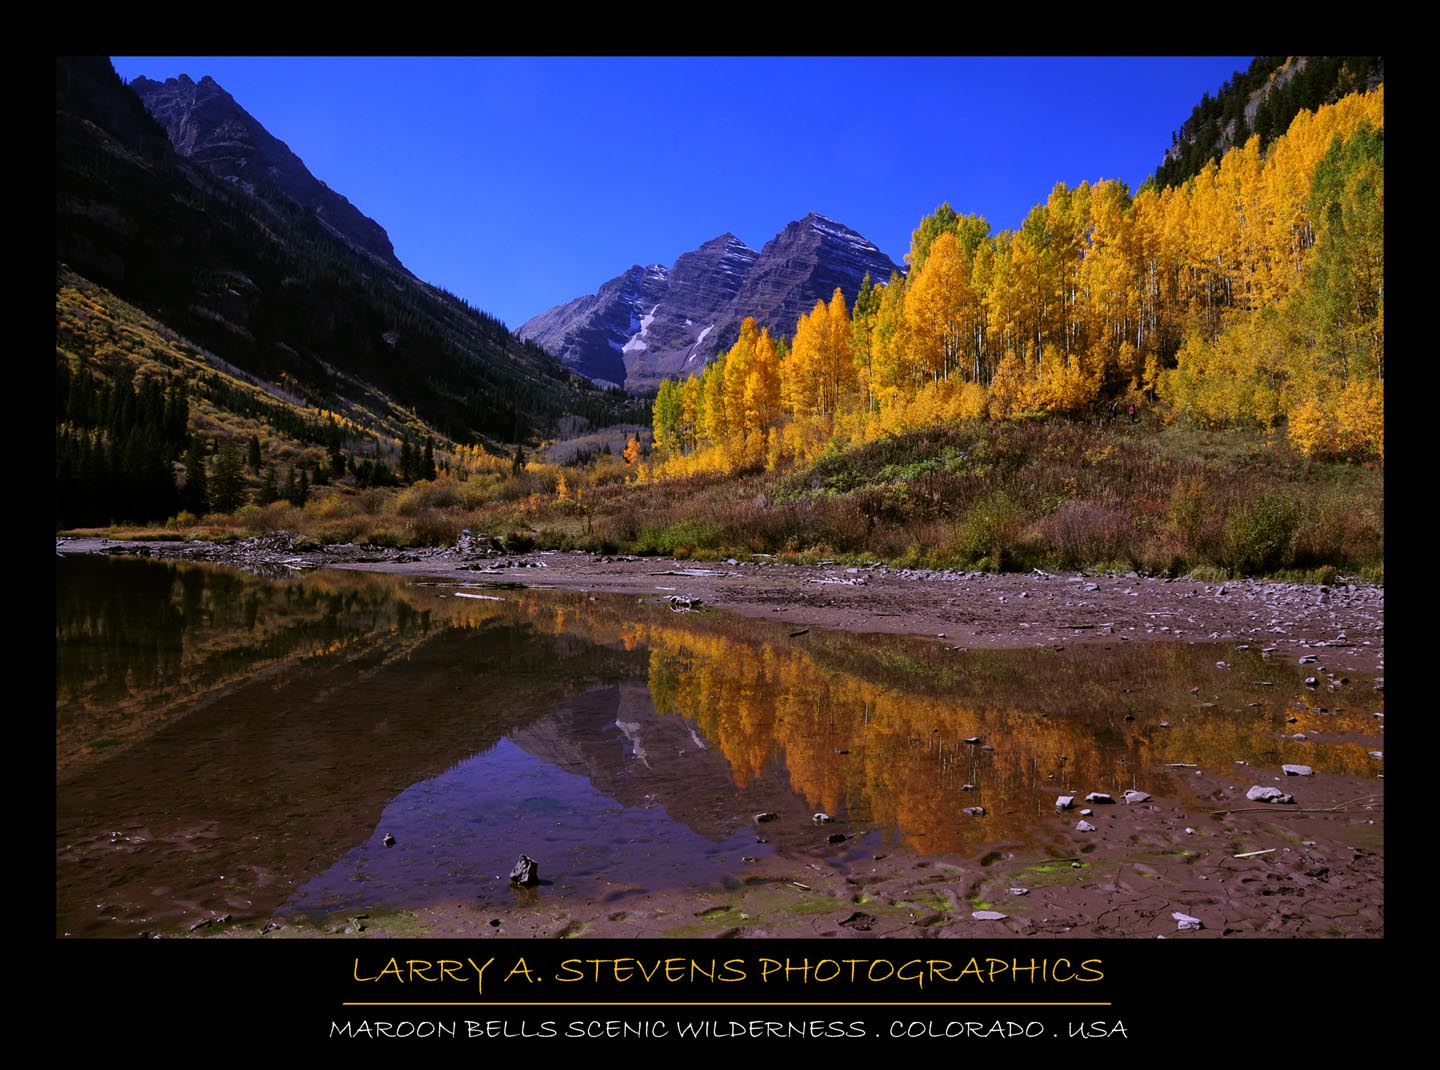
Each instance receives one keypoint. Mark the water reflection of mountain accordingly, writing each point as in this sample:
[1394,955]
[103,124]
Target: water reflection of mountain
[614,738]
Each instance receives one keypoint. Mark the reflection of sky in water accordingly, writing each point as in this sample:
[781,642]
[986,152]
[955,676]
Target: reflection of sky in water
[458,835]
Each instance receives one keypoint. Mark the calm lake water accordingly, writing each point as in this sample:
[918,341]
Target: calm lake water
[233,744]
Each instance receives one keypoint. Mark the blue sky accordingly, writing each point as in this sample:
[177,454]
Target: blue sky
[520,183]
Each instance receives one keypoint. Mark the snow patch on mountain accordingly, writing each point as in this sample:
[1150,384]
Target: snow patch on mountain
[637,340]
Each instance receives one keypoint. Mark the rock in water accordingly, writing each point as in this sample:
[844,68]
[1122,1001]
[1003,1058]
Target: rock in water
[988,915]
[389,840]
[526,872]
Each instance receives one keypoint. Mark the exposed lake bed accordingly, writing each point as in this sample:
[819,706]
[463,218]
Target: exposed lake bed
[245,777]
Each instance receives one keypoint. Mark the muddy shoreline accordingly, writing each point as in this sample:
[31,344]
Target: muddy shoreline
[1312,868]
[1341,625]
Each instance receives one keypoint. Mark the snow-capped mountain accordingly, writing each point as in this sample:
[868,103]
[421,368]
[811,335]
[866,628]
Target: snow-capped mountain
[649,324]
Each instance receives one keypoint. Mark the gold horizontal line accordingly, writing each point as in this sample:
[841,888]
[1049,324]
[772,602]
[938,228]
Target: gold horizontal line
[664,1006]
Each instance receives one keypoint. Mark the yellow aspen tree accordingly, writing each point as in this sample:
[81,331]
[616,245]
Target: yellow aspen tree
[837,363]
[689,429]
[713,426]
[1311,428]
[889,344]
[801,373]
[738,363]
[762,389]
[940,308]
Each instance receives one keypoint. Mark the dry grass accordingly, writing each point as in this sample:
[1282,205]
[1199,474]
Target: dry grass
[1051,493]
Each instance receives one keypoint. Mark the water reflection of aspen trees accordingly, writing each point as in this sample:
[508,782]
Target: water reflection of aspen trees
[910,742]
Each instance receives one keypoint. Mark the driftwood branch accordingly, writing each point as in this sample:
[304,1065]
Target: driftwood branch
[1280,809]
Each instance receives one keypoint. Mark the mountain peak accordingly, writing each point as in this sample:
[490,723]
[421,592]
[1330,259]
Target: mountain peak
[206,125]
[694,311]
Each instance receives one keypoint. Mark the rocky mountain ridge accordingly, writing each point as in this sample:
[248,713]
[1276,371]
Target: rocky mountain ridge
[207,126]
[652,323]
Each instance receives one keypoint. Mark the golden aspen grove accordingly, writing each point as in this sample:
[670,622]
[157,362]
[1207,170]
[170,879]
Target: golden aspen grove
[1252,296]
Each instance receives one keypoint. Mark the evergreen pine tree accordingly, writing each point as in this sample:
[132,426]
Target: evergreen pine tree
[252,457]
[227,481]
[195,496]
[268,492]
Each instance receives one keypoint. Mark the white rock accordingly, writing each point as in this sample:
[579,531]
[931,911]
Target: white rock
[1084,826]
[1263,794]
[1187,922]
[1297,770]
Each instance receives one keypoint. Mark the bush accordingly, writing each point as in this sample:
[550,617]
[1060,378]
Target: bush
[989,534]
[431,527]
[687,535]
[437,494]
[1337,529]
[518,542]
[1196,518]
[1086,533]
[1258,534]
